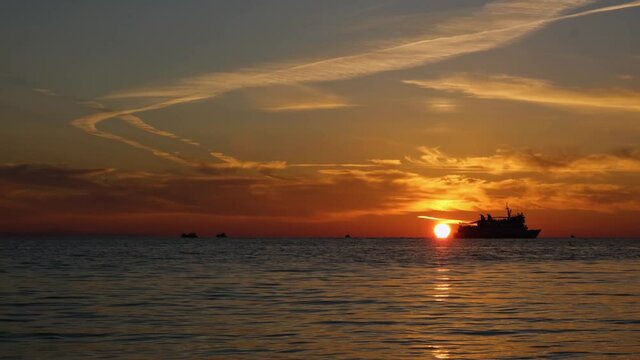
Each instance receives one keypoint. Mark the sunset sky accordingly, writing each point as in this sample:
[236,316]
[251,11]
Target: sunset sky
[318,118]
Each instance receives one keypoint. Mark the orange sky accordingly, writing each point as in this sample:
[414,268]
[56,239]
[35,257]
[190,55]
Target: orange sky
[300,118]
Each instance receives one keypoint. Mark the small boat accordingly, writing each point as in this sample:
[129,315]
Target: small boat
[221,235]
[191,235]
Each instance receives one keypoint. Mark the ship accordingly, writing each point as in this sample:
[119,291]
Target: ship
[499,227]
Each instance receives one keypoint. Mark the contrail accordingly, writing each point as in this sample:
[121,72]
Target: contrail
[443,220]
[398,57]
[630,5]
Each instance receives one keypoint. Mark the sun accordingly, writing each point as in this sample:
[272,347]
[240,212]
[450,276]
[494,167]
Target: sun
[442,231]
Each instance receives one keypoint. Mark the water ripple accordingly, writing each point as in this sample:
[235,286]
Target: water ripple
[85,298]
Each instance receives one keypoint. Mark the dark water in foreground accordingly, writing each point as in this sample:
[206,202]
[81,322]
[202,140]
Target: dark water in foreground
[319,298]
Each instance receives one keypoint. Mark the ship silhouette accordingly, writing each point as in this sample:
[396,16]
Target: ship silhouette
[500,227]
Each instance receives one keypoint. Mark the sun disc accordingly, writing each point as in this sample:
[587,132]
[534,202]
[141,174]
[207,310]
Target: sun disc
[442,231]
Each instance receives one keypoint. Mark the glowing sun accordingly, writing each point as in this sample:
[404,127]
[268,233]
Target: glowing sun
[442,231]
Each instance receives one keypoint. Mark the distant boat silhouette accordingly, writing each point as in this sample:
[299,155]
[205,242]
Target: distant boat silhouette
[221,235]
[347,236]
[189,235]
[509,227]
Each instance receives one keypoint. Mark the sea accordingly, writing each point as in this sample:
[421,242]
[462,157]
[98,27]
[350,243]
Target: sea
[316,298]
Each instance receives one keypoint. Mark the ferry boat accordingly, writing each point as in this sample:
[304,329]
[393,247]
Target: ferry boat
[499,227]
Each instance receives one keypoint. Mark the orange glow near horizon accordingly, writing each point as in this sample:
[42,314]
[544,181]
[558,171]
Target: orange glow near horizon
[442,231]
[376,134]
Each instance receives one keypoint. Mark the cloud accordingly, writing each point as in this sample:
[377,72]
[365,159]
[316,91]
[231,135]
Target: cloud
[62,190]
[49,176]
[504,87]
[516,19]
[294,98]
[442,105]
[307,106]
[506,160]
[386,162]
[534,194]
[497,24]
[39,196]
[411,192]
[138,123]
[333,165]
[47,92]
[462,193]
[232,163]
[442,220]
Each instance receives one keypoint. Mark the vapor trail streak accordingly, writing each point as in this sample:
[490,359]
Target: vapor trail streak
[529,16]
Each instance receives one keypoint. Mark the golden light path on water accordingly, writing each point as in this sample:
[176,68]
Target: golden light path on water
[321,298]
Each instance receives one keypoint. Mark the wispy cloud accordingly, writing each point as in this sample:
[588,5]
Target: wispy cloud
[504,87]
[232,163]
[44,91]
[507,160]
[307,106]
[516,18]
[442,105]
[387,162]
[138,123]
[442,220]
[294,98]
[89,125]
[497,24]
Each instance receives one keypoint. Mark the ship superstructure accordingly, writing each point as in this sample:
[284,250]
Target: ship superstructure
[500,227]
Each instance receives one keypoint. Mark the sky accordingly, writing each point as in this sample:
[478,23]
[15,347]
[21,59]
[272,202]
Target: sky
[318,118]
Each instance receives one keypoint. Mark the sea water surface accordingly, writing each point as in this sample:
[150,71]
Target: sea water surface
[145,298]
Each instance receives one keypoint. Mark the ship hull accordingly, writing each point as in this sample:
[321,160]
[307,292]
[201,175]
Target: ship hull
[475,233]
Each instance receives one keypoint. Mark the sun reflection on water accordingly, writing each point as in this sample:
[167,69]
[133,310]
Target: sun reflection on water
[440,353]
[441,292]
[442,285]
